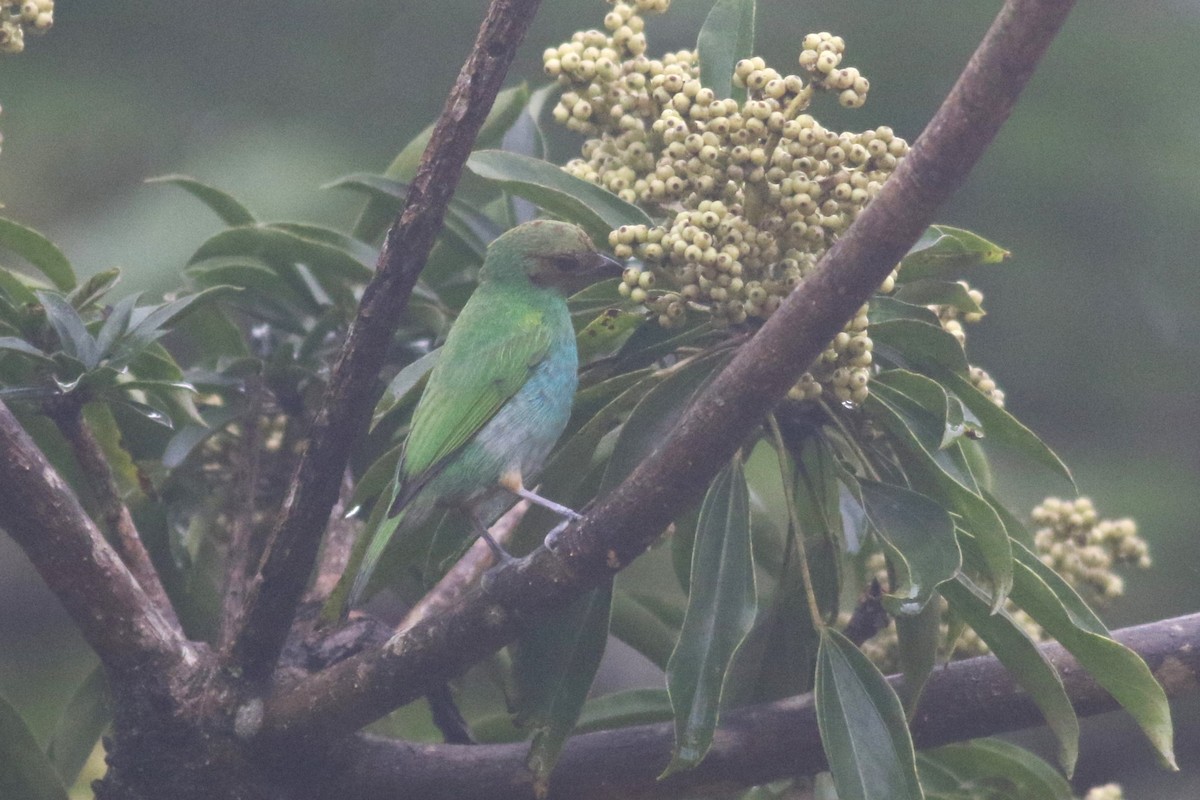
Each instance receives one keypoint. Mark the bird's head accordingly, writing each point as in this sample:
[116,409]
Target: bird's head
[549,254]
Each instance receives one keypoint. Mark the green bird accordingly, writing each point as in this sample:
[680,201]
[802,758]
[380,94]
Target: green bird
[501,391]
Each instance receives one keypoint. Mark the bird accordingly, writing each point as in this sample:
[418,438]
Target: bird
[500,393]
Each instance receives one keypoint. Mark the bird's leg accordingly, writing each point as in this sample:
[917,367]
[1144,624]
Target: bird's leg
[502,555]
[551,539]
[513,482]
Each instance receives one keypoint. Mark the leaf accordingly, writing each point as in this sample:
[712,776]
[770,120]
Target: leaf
[862,726]
[73,335]
[993,763]
[595,209]
[149,323]
[721,609]
[25,771]
[224,205]
[820,518]
[929,478]
[620,709]
[939,293]
[553,667]
[376,216]
[726,37]
[932,404]
[402,388]
[605,334]
[1024,661]
[86,716]
[656,414]
[1001,427]
[39,251]
[917,639]
[91,290]
[885,308]
[944,251]
[919,536]
[15,345]
[910,343]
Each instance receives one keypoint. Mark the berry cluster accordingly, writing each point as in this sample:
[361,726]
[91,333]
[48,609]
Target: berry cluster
[1073,541]
[1109,791]
[33,16]
[753,192]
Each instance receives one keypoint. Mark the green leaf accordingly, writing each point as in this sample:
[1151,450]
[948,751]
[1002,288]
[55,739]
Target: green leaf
[919,536]
[647,624]
[39,251]
[91,290]
[554,664]
[19,287]
[224,205]
[862,726]
[917,639]
[931,479]
[86,716]
[605,334]
[819,512]
[15,345]
[620,709]
[945,251]
[910,343]
[721,609]
[1121,672]
[25,771]
[376,216]
[992,764]
[149,323]
[404,386]
[1001,427]
[656,414]
[726,38]
[1024,661]
[885,308]
[939,293]
[596,209]
[928,395]
[73,335]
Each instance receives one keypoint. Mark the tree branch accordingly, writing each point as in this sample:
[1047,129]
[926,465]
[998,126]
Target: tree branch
[275,591]
[108,604]
[113,510]
[754,745]
[351,694]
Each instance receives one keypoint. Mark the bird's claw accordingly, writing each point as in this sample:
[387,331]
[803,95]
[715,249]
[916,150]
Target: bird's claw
[552,537]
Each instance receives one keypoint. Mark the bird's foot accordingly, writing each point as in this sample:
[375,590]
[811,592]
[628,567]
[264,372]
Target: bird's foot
[551,540]
[537,499]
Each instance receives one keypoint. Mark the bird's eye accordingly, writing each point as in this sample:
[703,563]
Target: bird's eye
[566,263]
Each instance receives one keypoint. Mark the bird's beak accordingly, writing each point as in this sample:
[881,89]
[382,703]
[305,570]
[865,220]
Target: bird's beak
[604,266]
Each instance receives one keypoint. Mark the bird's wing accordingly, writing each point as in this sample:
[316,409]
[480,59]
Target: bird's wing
[478,371]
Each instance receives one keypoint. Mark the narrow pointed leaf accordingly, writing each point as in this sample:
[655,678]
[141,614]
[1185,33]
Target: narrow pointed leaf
[939,293]
[862,726]
[15,345]
[554,665]
[1023,660]
[148,324]
[720,612]
[917,639]
[86,716]
[39,251]
[993,764]
[223,204]
[596,209]
[628,707]
[816,496]
[1001,427]
[885,308]
[648,627]
[91,290]
[404,386]
[73,334]
[25,771]
[726,38]
[910,343]
[943,251]
[920,536]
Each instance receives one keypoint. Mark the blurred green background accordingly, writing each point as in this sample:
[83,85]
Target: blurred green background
[1094,185]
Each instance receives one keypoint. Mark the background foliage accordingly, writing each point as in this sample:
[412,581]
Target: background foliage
[1093,178]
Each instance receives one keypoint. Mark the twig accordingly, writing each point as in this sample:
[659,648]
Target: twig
[628,519]
[113,511]
[335,552]
[111,608]
[756,744]
[292,549]
[241,554]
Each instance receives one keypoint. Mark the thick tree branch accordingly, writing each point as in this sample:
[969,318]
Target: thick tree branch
[624,523]
[754,745]
[113,510]
[113,611]
[274,593]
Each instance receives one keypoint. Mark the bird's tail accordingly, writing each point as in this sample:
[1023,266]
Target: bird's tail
[367,552]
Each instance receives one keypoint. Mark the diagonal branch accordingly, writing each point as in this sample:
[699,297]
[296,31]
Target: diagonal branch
[114,613]
[273,594]
[755,745]
[624,523]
